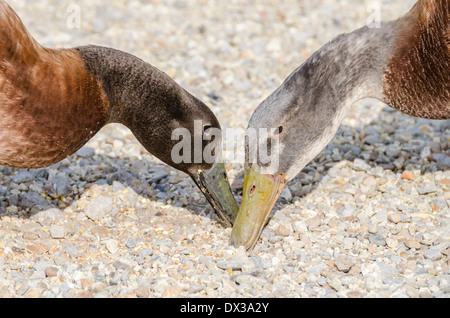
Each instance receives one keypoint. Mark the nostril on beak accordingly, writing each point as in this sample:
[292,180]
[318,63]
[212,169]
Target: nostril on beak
[252,190]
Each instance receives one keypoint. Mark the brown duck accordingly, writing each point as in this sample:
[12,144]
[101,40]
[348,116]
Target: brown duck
[53,101]
[404,63]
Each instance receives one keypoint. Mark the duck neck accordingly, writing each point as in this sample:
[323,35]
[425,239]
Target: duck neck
[145,99]
[135,89]
[320,92]
[347,69]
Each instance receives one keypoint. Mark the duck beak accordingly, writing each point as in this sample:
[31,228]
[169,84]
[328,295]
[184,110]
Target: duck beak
[260,195]
[216,188]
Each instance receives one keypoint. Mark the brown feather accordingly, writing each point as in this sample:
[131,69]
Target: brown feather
[417,81]
[50,105]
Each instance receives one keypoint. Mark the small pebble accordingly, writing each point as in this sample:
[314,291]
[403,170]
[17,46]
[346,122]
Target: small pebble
[377,239]
[48,217]
[360,165]
[283,230]
[412,243]
[433,254]
[426,189]
[408,175]
[51,271]
[171,292]
[86,152]
[344,265]
[395,218]
[99,207]
[112,246]
[57,232]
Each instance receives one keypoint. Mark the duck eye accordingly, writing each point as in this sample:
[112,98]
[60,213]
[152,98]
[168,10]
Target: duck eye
[279,130]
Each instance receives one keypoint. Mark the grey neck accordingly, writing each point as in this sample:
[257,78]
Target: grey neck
[315,98]
[348,69]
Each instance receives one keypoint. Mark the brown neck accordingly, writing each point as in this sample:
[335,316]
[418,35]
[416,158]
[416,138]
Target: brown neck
[49,109]
[16,44]
[50,105]
[417,79]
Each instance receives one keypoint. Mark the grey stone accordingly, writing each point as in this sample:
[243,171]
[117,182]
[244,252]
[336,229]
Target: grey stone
[346,211]
[300,227]
[377,239]
[99,207]
[233,265]
[86,152]
[158,176]
[286,194]
[433,254]
[392,152]
[23,176]
[427,189]
[360,165]
[48,217]
[62,185]
[344,265]
[249,280]
[145,252]
[31,199]
[372,139]
[124,263]
[442,159]
[72,251]
[117,186]
[57,231]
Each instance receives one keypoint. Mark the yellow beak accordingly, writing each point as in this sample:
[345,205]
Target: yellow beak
[260,195]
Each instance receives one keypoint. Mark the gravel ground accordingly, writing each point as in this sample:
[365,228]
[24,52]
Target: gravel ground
[368,218]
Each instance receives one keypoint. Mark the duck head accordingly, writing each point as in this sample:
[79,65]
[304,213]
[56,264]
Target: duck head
[188,137]
[191,141]
[291,128]
[169,122]
[298,120]
[279,142]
